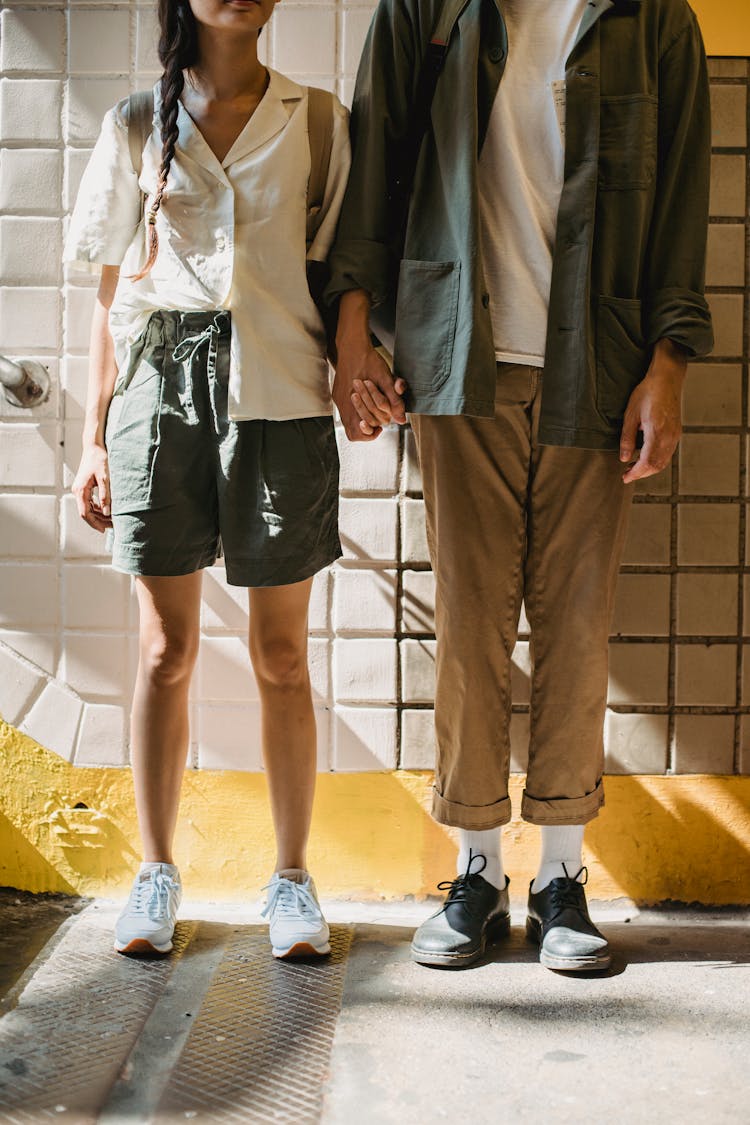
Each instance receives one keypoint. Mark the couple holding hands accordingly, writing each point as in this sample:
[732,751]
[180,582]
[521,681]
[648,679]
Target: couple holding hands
[525,187]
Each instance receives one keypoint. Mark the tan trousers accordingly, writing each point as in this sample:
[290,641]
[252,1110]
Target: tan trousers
[509,519]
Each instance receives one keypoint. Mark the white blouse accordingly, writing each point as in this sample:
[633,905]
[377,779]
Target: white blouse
[232,235]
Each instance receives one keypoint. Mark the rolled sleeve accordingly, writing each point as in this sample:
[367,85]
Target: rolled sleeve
[108,206]
[675,306]
[338,175]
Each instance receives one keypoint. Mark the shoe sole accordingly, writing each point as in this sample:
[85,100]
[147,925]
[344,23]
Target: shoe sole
[301,949]
[500,928]
[141,947]
[596,962]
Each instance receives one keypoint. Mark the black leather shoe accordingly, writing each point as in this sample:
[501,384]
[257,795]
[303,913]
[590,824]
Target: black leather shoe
[559,922]
[474,914]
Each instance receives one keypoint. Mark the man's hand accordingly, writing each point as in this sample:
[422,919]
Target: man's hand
[364,390]
[655,407]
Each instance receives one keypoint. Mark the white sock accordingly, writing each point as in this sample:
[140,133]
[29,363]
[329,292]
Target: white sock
[560,846]
[487,844]
[170,867]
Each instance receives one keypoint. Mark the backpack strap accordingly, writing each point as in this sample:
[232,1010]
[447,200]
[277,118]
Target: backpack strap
[140,125]
[320,134]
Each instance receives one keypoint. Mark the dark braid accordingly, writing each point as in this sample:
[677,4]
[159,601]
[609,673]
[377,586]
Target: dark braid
[178,51]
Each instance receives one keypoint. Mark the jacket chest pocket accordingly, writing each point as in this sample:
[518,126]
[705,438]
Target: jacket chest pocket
[627,142]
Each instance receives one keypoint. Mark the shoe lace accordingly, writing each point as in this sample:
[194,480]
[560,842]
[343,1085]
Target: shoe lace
[565,893]
[289,899]
[151,895]
[460,888]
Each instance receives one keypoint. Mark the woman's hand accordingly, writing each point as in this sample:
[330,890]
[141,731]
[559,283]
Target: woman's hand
[364,390]
[93,472]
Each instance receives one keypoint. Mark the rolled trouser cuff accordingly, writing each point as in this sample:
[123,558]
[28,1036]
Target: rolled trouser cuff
[562,810]
[475,818]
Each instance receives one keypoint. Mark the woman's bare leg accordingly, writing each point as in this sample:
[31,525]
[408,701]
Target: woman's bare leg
[169,634]
[278,649]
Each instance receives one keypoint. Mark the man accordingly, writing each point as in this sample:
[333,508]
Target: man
[550,293]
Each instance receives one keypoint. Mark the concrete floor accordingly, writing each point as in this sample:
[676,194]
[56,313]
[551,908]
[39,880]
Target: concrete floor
[220,1032]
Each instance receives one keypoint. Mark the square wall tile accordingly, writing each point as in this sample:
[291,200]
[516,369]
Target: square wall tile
[29,596]
[102,738]
[99,42]
[728,185]
[38,648]
[418,671]
[713,395]
[648,540]
[728,116]
[32,40]
[29,319]
[369,529]
[304,40]
[707,604]
[229,737]
[708,534]
[30,109]
[96,597]
[96,665]
[642,605]
[418,601]
[20,168]
[727,311]
[30,250]
[709,465]
[725,261]
[417,740]
[365,601]
[414,547]
[635,743]
[364,738]
[365,670]
[29,526]
[88,101]
[704,744]
[638,674]
[706,675]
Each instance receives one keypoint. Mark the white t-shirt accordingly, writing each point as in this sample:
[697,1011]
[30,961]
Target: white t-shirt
[232,235]
[521,173]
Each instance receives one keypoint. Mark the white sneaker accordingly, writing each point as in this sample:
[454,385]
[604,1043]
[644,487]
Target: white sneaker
[297,926]
[146,925]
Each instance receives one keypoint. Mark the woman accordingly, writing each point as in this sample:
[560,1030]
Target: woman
[208,421]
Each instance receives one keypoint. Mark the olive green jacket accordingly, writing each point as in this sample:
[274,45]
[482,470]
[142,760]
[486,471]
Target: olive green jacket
[630,247]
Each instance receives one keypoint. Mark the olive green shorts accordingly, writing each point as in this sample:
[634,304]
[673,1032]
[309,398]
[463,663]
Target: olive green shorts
[189,485]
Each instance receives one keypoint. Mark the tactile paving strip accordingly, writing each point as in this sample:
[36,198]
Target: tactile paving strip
[260,1046]
[76,1022]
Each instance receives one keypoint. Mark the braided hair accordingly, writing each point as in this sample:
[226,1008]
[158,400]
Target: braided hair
[178,51]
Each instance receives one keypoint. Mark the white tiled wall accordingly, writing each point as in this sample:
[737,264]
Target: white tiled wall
[680,689]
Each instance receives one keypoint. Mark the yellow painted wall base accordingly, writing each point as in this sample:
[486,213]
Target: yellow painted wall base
[73,829]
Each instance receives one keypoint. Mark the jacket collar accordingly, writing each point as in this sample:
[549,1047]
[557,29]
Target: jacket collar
[595,9]
[271,116]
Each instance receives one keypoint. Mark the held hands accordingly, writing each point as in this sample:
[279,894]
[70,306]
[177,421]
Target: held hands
[365,392]
[93,472]
[655,407]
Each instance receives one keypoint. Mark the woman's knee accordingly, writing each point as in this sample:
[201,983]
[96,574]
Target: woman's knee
[279,663]
[168,660]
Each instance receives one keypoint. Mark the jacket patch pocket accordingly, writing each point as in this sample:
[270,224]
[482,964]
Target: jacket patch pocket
[627,143]
[621,356]
[132,439]
[426,314]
